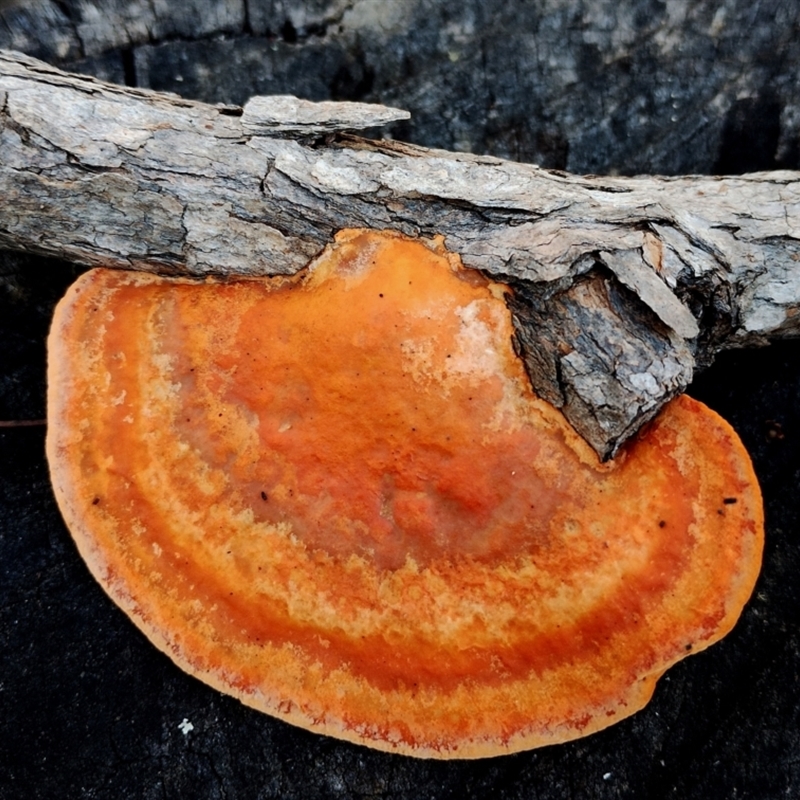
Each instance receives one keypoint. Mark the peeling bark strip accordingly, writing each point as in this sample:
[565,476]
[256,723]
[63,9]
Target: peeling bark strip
[622,286]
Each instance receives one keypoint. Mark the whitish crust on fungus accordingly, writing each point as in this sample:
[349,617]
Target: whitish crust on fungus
[336,498]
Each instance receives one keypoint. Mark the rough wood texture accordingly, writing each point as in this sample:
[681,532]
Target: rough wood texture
[621,285]
[630,86]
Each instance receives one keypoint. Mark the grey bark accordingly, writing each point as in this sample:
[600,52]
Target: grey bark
[589,86]
[621,286]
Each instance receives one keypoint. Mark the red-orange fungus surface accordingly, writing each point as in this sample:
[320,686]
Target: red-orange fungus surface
[335,497]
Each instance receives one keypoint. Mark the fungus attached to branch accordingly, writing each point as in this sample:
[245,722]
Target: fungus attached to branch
[335,497]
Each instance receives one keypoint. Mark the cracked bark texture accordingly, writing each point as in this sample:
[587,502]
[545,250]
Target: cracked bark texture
[621,286]
[629,86]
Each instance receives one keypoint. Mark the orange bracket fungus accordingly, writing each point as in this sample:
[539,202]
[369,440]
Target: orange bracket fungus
[335,497]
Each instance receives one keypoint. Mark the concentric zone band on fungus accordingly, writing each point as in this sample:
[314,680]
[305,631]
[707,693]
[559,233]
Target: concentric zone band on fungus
[335,497]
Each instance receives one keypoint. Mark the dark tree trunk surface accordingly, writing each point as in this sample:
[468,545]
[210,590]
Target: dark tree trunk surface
[89,709]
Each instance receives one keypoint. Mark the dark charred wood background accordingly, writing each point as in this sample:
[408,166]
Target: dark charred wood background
[88,708]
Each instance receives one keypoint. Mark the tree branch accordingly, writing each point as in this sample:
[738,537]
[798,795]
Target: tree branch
[621,286]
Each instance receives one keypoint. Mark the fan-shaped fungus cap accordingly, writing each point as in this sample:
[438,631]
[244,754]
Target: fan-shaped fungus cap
[335,497]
